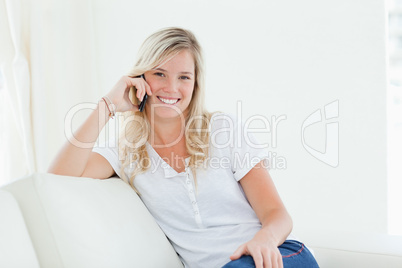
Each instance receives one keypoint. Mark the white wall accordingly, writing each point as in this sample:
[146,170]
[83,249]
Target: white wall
[282,58]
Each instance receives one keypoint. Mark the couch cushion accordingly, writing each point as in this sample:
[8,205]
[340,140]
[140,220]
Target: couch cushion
[16,249]
[353,249]
[101,223]
[335,258]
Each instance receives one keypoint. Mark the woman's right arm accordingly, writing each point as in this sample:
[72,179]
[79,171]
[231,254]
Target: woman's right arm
[75,161]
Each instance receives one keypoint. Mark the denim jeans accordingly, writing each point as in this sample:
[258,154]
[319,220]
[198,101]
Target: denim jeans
[294,255]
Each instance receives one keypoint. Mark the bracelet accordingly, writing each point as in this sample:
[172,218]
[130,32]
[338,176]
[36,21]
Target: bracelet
[112,106]
[111,112]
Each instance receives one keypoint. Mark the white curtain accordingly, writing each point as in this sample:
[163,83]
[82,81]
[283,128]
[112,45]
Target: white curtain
[47,66]
[17,149]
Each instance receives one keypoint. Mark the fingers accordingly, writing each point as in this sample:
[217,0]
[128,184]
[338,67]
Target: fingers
[148,89]
[239,252]
[259,261]
[119,94]
[263,257]
[140,84]
[280,261]
[142,88]
[266,258]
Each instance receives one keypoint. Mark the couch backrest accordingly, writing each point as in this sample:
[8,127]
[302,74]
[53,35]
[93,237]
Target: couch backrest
[82,222]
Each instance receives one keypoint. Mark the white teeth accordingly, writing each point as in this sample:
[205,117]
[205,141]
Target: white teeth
[168,101]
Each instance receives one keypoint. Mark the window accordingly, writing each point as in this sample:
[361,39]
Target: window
[394,106]
[3,130]
[395,42]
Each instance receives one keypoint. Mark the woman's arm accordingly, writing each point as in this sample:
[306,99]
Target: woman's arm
[276,222]
[73,160]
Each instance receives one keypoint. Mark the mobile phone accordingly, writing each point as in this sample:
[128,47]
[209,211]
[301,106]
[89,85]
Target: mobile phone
[144,100]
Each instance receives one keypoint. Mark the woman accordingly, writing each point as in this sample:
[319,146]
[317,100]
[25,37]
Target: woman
[191,168]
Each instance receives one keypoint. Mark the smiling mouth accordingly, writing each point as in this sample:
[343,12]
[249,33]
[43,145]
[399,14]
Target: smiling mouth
[168,101]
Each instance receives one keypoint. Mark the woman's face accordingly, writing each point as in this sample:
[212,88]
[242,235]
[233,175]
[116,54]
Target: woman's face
[172,85]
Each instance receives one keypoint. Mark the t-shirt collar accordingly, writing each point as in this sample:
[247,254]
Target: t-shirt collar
[169,172]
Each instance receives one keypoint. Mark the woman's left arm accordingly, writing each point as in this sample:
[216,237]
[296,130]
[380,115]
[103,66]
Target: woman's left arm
[276,222]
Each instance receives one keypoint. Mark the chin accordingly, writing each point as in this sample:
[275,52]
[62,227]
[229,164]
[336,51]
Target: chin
[167,113]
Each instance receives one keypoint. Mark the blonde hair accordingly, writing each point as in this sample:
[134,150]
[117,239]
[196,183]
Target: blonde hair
[158,48]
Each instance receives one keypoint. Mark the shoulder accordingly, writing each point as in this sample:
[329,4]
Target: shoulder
[108,149]
[223,120]
[223,130]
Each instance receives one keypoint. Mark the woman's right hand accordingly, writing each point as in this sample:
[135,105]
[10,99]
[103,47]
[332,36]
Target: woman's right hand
[120,92]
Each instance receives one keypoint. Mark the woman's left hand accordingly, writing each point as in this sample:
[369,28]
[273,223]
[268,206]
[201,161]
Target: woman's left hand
[263,250]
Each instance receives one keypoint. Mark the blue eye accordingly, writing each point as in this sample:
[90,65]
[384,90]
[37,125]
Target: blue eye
[184,77]
[159,74]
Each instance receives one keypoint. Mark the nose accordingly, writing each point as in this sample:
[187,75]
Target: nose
[171,85]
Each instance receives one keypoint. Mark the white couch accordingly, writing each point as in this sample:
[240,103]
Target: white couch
[350,249]
[52,221]
[55,221]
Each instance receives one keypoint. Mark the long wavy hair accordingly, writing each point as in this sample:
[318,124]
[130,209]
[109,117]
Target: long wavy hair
[135,128]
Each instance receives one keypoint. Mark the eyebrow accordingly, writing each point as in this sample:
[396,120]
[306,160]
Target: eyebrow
[163,70]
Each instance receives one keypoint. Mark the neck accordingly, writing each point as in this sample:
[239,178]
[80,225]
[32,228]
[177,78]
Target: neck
[166,132]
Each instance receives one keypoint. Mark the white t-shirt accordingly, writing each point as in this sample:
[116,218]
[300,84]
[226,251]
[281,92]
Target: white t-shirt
[207,226]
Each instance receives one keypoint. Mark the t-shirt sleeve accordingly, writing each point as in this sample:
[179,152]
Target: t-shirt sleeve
[110,151]
[244,149]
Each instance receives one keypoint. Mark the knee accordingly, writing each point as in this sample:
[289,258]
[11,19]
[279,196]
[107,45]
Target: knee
[296,254]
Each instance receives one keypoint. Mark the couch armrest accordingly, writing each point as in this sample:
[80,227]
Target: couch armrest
[90,223]
[16,248]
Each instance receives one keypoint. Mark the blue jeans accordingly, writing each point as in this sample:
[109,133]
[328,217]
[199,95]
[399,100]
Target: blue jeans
[294,255]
